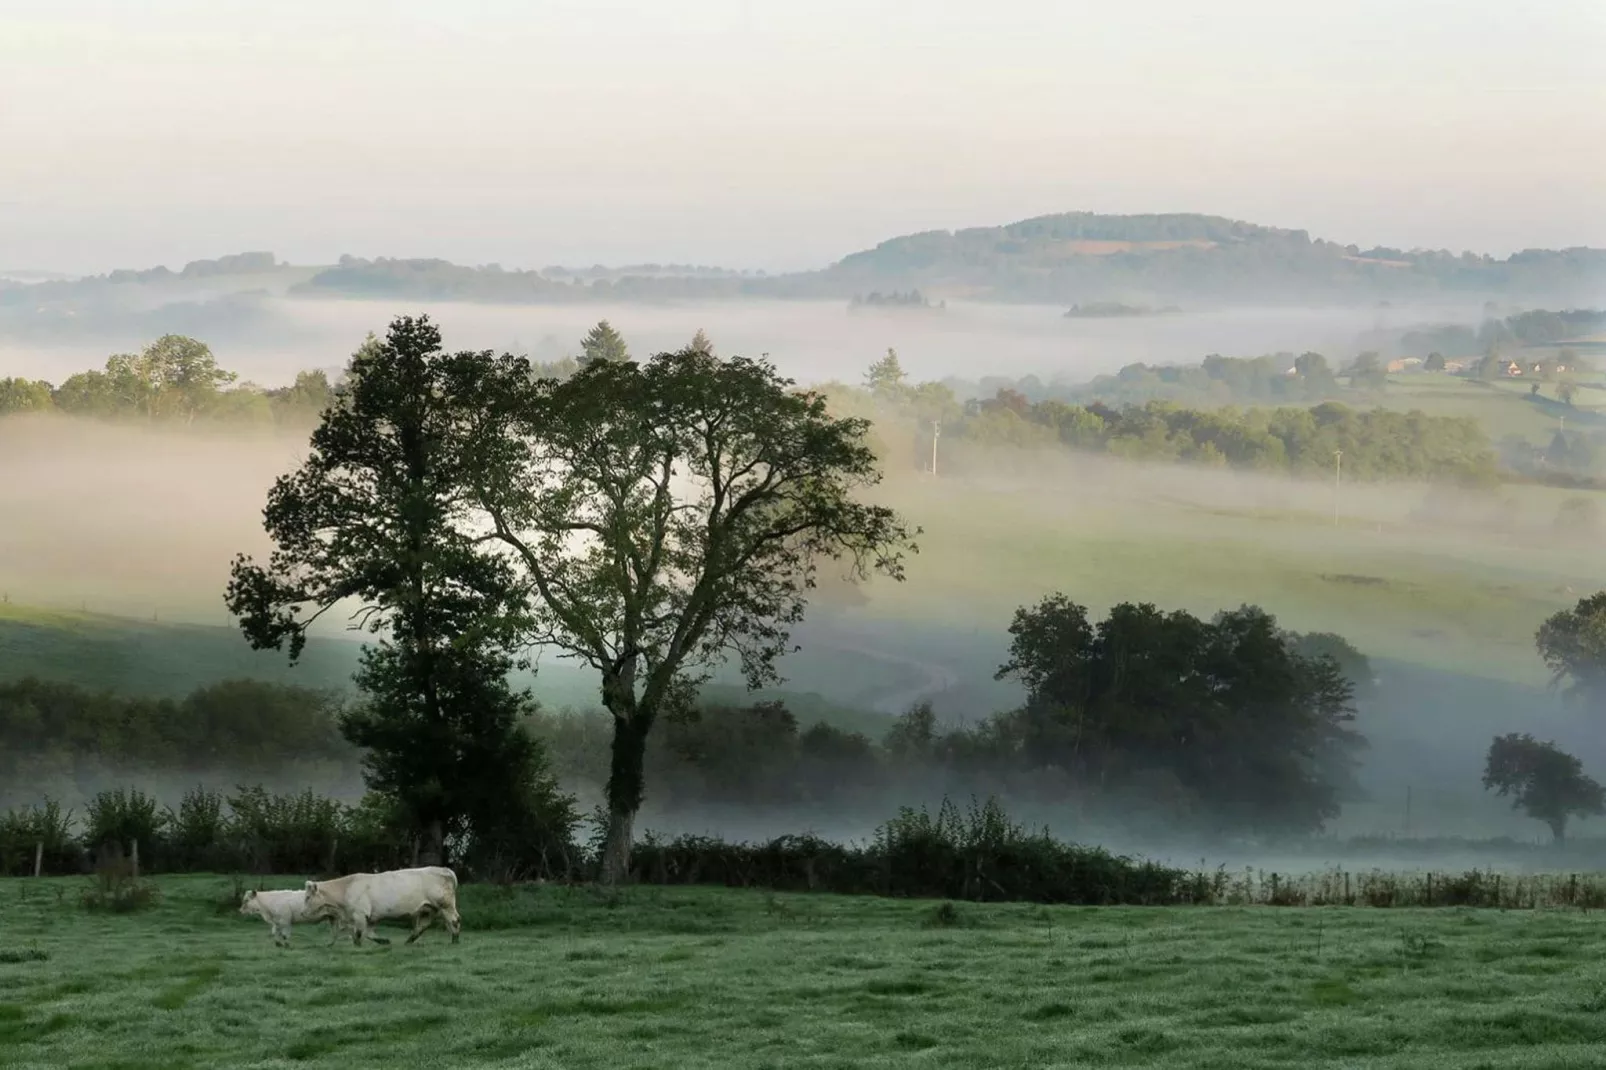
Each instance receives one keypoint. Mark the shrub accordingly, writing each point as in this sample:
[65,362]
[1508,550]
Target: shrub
[23,831]
[285,833]
[114,888]
[123,817]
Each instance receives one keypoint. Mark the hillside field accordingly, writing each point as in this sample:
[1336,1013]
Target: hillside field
[1502,406]
[575,978]
[1456,594]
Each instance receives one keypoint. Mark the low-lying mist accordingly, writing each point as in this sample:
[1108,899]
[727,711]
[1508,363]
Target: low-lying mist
[810,341]
[143,521]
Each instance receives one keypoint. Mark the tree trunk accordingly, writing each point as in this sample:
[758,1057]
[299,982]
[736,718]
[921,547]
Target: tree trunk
[1558,828]
[616,850]
[434,844]
[625,791]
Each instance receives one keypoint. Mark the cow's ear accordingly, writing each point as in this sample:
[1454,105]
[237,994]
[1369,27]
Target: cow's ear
[312,886]
[252,894]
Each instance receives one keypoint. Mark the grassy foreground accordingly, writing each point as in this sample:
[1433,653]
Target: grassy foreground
[558,977]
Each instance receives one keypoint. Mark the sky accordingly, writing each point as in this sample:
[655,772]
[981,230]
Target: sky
[780,136]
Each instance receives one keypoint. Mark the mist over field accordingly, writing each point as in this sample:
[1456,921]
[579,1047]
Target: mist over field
[810,341]
[1431,584]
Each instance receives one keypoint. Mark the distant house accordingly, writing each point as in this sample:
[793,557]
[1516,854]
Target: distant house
[1513,368]
[1455,367]
[1404,364]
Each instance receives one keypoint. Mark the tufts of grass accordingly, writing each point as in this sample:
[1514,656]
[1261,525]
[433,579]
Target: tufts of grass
[593,983]
[114,889]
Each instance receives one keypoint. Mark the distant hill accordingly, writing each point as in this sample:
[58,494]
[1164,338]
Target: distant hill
[1075,258]
[1084,257]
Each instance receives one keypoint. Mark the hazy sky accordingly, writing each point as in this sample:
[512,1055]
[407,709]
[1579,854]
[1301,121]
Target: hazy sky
[780,135]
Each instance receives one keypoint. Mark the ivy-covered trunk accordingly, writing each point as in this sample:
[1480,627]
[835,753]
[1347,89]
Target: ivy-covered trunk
[626,789]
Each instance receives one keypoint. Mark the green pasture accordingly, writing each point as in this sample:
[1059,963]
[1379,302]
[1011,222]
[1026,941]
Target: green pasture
[1503,406]
[653,977]
[1457,597]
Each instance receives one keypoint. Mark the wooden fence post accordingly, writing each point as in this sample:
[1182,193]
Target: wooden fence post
[134,857]
[39,858]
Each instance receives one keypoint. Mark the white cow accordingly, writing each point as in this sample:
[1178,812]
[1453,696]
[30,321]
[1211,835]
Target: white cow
[363,898]
[282,909]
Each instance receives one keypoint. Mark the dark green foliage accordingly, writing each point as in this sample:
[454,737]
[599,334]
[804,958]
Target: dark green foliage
[381,513]
[979,856]
[196,832]
[1544,781]
[59,729]
[677,578]
[1572,643]
[24,830]
[1227,713]
[285,833]
[120,817]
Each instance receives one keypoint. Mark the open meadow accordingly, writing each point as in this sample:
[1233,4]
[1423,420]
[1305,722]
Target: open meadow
[689,977]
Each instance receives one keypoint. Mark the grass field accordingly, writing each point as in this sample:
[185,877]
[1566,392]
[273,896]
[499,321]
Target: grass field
[1503,406]
[710,978]
[1461,597]
[155,658]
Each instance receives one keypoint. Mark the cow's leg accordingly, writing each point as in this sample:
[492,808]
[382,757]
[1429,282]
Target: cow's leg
[423,918]
[368,931]
[454,922]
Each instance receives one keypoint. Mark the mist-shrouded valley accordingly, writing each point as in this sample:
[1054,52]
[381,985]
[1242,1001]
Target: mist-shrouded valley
[1120,454]
[1008,535]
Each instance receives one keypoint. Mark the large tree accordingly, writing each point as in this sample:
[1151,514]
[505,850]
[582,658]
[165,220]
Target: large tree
[379,517]
[1544,781]
[1573,646]
[667,516]
[1258,732]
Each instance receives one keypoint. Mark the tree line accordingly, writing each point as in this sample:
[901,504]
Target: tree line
[175,379]
[1536,327]
[1162,721]
[1376,443]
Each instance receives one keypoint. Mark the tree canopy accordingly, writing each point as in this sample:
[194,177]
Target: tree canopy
[667,515]
[1228,711]
[1544,781]
[380,515]
[1572,643]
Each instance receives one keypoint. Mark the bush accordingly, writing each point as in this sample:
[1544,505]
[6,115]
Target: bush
[23,831]
[198,833]
[114,888]
[980,855]
[285,833]
[123,817]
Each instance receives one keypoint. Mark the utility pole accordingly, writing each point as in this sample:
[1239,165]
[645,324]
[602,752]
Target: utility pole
[1338,471]
[936,429]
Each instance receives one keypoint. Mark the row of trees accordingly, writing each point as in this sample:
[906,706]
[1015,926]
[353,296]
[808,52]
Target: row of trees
[1538,327]
[1377,444]
[175,379]
[58,734]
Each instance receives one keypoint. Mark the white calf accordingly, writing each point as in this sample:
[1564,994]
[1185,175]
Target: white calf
[281,909]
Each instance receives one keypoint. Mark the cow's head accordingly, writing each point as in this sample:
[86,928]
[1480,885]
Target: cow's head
[248,902]
[316,900]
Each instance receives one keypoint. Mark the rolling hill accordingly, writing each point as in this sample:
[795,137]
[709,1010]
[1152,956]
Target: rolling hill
[1074,257]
